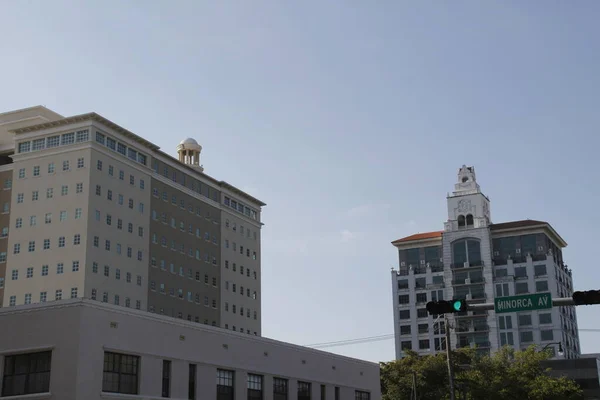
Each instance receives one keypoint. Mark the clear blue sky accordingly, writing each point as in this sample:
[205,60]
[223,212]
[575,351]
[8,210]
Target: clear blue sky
[349,118]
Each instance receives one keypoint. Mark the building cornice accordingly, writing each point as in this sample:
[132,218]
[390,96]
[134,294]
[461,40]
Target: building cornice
[83,302]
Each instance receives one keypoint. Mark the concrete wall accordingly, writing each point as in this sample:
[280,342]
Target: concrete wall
[80,331]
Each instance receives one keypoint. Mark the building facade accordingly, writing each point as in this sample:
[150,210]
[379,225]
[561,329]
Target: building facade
[477,260]
[79,349]
[91,210]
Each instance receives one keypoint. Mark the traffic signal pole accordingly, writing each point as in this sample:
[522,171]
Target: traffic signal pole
[448,358]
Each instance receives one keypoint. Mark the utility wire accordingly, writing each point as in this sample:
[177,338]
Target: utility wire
[378,338]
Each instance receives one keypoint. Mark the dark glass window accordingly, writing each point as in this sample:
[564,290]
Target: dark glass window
[432,255]
[406,345]
[224,384]
[337,393]
[280,389]
[323,392]
[459,253]
[404,314]
[422,313]
[166,379]
[412,257]
[26,374]
[421,297]
[303,390]
[405,329]
[528,245]
[120,373]
[255,387]
[192,382]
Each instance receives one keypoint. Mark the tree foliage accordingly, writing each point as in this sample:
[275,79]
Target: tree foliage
[508,374]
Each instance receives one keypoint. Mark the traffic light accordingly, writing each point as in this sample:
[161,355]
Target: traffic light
[446,307]
[586,297]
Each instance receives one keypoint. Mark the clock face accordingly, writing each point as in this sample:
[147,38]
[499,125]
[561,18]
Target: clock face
[464,206]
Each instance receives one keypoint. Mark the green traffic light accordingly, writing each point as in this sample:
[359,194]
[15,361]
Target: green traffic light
[457,305]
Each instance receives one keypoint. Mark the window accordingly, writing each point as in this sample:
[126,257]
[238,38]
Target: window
[423,328]
[30,272]
[502,290]
[27,298]
[405,329]
[166,378]
[424,344]
[404,314]
[58,295]
[50,165]
[541,286]
[49,193]
[117,299]
[48,218]
[524,320]
[79,187]
[142,184]
[506,338]
[26,373]
[358,395]
[539,270]
[3,257]
[20,197]
[520,272]
[77,239]
[521,287]
[280,389]
[225,383]
[106,270]
[43,297]
[31,246]
[255,383]
[22,173]
[109,194]
[191,381]
[62,216]
[74,293]
[421,297]
[545,318]
[60,268]
[19,223]
[99,165]
[75,266]
[13,301]
[526,336]
[98,190]
[304,390]
[121,373]
[65,165]
[422,313]
[44,270]
[547,334]
[80,162]
[17,248]
[505,322]
[15,274]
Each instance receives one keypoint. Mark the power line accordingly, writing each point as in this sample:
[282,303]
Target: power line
[378,338]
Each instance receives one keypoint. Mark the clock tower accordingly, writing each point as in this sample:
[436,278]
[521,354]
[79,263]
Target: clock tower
[468,207]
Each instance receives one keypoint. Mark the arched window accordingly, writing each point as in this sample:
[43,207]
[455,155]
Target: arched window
[461,221]
[469,219]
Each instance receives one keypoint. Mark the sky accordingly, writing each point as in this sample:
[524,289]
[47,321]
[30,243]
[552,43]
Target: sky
[350,119]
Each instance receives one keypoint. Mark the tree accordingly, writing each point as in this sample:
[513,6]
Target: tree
[508,374]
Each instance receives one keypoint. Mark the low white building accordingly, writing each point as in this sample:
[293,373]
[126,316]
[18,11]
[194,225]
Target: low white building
[85,350]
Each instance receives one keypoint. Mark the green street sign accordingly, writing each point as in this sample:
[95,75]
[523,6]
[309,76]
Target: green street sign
[526,302]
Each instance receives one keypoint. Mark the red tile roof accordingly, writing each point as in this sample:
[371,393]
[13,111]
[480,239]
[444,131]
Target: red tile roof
[526,223]
[419,236]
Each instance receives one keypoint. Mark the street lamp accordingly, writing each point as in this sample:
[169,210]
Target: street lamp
[560,348]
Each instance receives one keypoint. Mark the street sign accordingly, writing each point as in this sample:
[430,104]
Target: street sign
[526,302]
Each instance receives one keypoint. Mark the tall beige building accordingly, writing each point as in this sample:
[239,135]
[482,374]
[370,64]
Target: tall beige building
[91,210]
